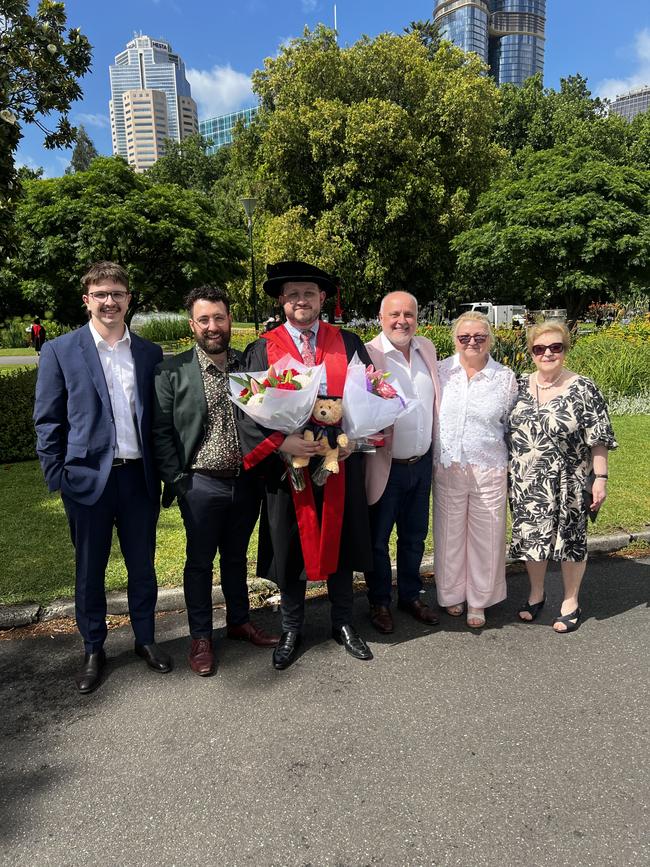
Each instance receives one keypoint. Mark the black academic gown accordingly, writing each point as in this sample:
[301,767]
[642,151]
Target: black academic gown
[279,552]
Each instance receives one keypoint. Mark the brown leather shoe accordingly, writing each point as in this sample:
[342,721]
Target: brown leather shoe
[201,657]
[250,632]
[420,611]
[381,619]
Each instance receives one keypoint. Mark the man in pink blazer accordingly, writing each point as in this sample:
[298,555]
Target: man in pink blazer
[398,477]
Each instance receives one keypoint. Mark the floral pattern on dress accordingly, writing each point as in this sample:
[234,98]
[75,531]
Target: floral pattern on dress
[550,457]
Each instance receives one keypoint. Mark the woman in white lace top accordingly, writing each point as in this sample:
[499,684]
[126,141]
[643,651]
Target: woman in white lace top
[471,461]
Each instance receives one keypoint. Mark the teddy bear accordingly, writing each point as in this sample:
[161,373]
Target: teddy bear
[325,424]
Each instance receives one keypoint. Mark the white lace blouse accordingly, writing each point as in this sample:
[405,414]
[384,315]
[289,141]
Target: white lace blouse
[473,414]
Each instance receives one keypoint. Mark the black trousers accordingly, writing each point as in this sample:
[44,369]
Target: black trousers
[339,591]
[124,504]
[219,516]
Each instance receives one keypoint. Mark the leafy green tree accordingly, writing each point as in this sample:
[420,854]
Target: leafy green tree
[428,32]
[188,164]
[639,139]
[532,117]
[169,239]
[368,159]
[83,154]
[565,228]
[39,73]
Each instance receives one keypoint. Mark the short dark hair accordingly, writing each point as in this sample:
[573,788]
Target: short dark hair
[101,271]
[206,293]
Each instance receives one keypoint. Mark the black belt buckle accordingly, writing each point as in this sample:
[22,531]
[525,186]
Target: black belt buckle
[220,474]
[408,461]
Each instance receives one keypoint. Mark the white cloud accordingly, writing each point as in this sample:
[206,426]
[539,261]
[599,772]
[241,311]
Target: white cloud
[99,120]
[27,162]
[612,87]
[220,90]
[308,6]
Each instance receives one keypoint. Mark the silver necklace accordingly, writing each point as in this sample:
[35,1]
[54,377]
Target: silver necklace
[550,384]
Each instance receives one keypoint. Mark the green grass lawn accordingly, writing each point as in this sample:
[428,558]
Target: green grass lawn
[25,350]
[36,556]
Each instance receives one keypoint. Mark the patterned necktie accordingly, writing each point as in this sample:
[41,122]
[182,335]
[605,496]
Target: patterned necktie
[306,350]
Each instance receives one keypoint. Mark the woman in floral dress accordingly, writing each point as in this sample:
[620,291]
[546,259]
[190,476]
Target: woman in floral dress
[559,430]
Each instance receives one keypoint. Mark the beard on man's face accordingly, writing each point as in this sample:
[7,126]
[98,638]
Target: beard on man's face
[213,342]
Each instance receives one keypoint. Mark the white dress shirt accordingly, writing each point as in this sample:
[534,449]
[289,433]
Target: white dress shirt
[473,414]
[412,432]
[119,372]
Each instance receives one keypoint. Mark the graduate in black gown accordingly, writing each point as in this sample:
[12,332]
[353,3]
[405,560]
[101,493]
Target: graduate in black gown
[323,532]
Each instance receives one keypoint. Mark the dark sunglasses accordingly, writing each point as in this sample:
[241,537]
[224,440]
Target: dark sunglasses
[553,348]
[465,338]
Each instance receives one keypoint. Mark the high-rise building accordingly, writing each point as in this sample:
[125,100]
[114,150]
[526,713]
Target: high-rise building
[150,100]
[634,102]
[506,34]
[219,130]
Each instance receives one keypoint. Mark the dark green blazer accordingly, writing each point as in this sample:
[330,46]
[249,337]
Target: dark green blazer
[180,420]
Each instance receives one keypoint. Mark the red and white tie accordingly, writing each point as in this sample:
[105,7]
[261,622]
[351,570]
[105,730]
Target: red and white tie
[305,350]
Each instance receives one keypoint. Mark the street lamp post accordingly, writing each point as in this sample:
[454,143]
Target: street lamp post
[249,206]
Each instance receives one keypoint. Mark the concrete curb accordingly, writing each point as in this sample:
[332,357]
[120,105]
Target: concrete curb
[172,599]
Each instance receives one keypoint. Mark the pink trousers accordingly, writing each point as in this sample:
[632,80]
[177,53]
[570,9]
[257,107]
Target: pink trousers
[470,535]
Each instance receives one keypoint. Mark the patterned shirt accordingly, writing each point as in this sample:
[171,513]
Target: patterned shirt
[220,448]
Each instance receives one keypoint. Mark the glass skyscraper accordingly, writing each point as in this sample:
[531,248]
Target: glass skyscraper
[628,105]
[220,129]
[150,100]
[506,34]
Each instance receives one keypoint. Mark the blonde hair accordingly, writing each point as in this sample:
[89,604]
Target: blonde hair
[473,316]
[545,328]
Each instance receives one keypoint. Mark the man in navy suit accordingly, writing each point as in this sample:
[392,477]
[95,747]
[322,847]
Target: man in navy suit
[93,424]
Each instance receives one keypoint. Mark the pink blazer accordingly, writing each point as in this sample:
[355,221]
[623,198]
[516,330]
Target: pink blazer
[377,466]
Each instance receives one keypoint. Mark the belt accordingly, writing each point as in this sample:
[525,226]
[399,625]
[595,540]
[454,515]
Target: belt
[122,462]
[220,474]
[413,460]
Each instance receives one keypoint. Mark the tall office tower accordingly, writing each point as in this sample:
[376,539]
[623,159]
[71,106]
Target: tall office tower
[219,130]
[506,34]
[634,102]
[150,101]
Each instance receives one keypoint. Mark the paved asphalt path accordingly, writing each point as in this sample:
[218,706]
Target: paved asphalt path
[512,746]
[28,360]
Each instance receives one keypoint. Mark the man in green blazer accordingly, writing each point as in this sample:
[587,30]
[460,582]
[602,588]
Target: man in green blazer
[197,450]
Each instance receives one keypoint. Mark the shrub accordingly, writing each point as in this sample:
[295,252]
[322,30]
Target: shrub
[638,404]
[617,358]
[13,335]
[161,327]
[17,435]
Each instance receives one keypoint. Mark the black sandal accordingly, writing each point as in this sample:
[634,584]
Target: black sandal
[533,610]
[567,620]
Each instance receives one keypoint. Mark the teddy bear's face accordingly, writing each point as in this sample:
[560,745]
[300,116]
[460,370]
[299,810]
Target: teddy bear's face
[328,410]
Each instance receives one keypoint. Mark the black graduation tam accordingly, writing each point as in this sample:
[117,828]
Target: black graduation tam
[298,272]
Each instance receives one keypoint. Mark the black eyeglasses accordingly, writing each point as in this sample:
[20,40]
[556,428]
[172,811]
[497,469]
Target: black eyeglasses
[554,348]
[465,338]
[118,296]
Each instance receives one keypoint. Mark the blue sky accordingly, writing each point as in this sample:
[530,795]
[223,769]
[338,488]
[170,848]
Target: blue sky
[222,42]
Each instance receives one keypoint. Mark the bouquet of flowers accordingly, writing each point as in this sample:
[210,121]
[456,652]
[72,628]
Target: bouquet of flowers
[370,402]
[280,398]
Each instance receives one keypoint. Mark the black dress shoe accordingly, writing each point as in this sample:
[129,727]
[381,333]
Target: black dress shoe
[352,641]
[154,657]
[89,676]
[287,650]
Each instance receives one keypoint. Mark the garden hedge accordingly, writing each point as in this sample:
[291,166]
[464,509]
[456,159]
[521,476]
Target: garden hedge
[17,436]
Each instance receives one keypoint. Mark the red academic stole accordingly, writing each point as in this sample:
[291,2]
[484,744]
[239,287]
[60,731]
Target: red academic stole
[320,542]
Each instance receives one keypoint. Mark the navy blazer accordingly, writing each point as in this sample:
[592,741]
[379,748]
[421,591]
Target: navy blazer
[75,430]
